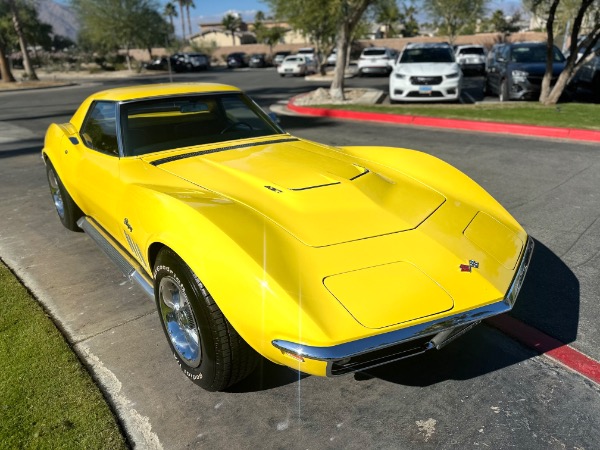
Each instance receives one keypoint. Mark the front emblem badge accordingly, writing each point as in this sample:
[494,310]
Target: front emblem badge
[469,267]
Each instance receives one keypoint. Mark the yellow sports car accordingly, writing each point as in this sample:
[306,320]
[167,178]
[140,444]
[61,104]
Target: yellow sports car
[325,259]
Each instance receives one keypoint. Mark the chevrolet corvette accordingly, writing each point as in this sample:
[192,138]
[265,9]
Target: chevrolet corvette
[253,242]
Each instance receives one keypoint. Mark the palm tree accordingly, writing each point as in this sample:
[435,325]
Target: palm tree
[189,4]
[181,5]
[231,23]
[170,11]
[22,42]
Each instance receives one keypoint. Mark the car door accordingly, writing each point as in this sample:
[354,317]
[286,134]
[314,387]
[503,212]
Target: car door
[492,69]
[97,167]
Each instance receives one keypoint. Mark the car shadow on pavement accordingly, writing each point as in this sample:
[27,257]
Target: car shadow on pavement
[267,376]
[22,151]
[548,301]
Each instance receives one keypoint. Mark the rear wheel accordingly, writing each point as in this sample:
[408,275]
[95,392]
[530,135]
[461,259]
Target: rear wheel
[68,211]
[208,349]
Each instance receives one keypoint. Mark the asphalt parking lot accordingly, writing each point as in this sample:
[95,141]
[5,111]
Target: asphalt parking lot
[484,390]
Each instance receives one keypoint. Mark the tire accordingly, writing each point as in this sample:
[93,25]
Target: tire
[207,348]
[503,92]
[68,211]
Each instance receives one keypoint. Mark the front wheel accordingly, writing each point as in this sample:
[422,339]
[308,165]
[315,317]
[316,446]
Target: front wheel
[68,211]
[207,348]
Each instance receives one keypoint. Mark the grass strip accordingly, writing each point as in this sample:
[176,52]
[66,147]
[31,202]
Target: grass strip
[564,115]
[48,399]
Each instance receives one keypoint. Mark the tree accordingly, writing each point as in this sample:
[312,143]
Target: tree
[269,36]
[181,6]
[6,42]
[170,11]
[349,15]
[586,19]
[388,14]
[411,26]
[189,4]
[31,75]
[108,25]
[232,23]
[315,19]
[452,17]
[499,23]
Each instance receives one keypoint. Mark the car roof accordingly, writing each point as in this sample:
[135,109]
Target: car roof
[160,90]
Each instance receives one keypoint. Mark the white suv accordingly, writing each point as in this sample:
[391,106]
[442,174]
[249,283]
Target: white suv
[376,60]
[471,58]
[426,72]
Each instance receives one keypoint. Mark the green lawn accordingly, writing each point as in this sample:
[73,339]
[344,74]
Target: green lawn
[566,115]
[47,398]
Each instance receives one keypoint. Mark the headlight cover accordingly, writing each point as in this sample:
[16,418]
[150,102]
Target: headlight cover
[453,75]
[399,75]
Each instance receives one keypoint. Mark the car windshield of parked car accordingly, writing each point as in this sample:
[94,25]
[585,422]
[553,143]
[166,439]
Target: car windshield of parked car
[536,54]
[427,55]
[156,125]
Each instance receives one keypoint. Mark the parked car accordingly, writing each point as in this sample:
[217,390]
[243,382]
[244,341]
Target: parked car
[426,72]
[299,65]
[190,62]
[332,58]
[279,57]
[376,60]
[588,75]
[518,69]
[307,51]
[326,259]
[158,64]
[237,59]
[471,58]
[258,60]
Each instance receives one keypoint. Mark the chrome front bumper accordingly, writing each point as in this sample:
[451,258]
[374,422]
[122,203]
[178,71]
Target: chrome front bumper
[395,345]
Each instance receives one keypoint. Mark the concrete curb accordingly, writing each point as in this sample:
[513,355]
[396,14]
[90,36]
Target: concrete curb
[455,124]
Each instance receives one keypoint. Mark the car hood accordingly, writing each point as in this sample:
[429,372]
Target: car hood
[321,196]
[436,69]
[537,69]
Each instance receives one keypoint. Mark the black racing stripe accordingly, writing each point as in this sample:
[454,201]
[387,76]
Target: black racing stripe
[220,149]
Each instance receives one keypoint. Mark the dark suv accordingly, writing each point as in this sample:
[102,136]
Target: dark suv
[190,62]
[517,70]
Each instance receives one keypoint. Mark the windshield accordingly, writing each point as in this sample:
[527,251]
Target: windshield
[427,55]
[167,123]
[534,54]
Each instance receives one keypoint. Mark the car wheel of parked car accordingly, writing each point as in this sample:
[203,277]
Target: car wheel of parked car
[208,349]
[503,94]
[68,211]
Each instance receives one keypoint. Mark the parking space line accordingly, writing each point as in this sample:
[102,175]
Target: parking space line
[547,345]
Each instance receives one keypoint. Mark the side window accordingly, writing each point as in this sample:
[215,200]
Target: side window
[99,130]
[238,112]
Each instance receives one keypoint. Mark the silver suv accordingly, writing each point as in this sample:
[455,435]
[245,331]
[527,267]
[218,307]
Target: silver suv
[376,60]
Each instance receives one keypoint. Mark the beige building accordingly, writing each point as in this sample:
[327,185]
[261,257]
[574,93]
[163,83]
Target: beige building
[214,34]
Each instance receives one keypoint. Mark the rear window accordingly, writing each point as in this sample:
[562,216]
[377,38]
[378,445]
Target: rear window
[534,54]
[472,51]
[374,52]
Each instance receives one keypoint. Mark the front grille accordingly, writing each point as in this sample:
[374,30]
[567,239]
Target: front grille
[379,357]
[419,94]
[425,81]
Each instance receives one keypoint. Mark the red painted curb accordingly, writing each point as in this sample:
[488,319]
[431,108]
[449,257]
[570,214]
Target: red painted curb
[541,342]
[455,124]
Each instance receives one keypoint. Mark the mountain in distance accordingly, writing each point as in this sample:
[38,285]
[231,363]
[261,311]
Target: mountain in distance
[62,18]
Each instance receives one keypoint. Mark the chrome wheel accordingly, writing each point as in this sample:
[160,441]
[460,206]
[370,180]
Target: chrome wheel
[56,194]
[179,321]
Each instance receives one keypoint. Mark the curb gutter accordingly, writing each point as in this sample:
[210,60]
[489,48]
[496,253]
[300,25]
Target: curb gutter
[575,134]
